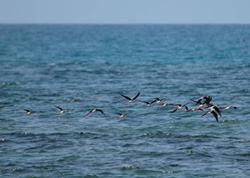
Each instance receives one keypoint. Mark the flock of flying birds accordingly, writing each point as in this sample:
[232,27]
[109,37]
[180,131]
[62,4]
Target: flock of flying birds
[202,104]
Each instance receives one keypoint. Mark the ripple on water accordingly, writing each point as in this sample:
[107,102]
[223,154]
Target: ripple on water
[83,67]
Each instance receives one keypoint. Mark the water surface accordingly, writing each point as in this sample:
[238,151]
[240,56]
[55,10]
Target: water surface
[82,67]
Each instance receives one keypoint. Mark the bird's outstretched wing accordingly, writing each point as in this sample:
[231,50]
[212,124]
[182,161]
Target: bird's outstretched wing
[126,97]
[138,94]
[215,115]
[59,108]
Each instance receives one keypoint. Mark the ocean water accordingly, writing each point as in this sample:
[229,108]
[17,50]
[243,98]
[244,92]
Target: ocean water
[82,67]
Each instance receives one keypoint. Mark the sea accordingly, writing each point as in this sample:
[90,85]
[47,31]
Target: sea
[83,67]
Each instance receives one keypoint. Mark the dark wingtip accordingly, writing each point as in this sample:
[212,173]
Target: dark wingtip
[138,94]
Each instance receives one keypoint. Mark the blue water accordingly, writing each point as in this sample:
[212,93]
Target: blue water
[82,67]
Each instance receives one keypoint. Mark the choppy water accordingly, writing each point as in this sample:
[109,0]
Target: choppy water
[82,67]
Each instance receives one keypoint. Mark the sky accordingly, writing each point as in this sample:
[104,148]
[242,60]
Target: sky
[125,11]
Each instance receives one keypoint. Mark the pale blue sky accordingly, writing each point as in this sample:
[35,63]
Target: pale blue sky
[126,11]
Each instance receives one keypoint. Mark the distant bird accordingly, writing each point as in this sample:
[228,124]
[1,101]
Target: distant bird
[95,110]
[149,103]
[214,110]
[203,106]
[166,104]
[1,107]
[206,98]
[129,99]
[28,111]
[61,110]
[194,109]
[180,106]
[228,107]
[121,115]
[158,100]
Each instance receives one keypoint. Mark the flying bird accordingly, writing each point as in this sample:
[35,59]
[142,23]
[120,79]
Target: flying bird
[28,111]
[121,115]
[166,104]
[129,99]
[194,109]
[158,100]
[228,107]
[149,103]
[96,110]
[206,98]
[214,110]
[60,109]
[180,106]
